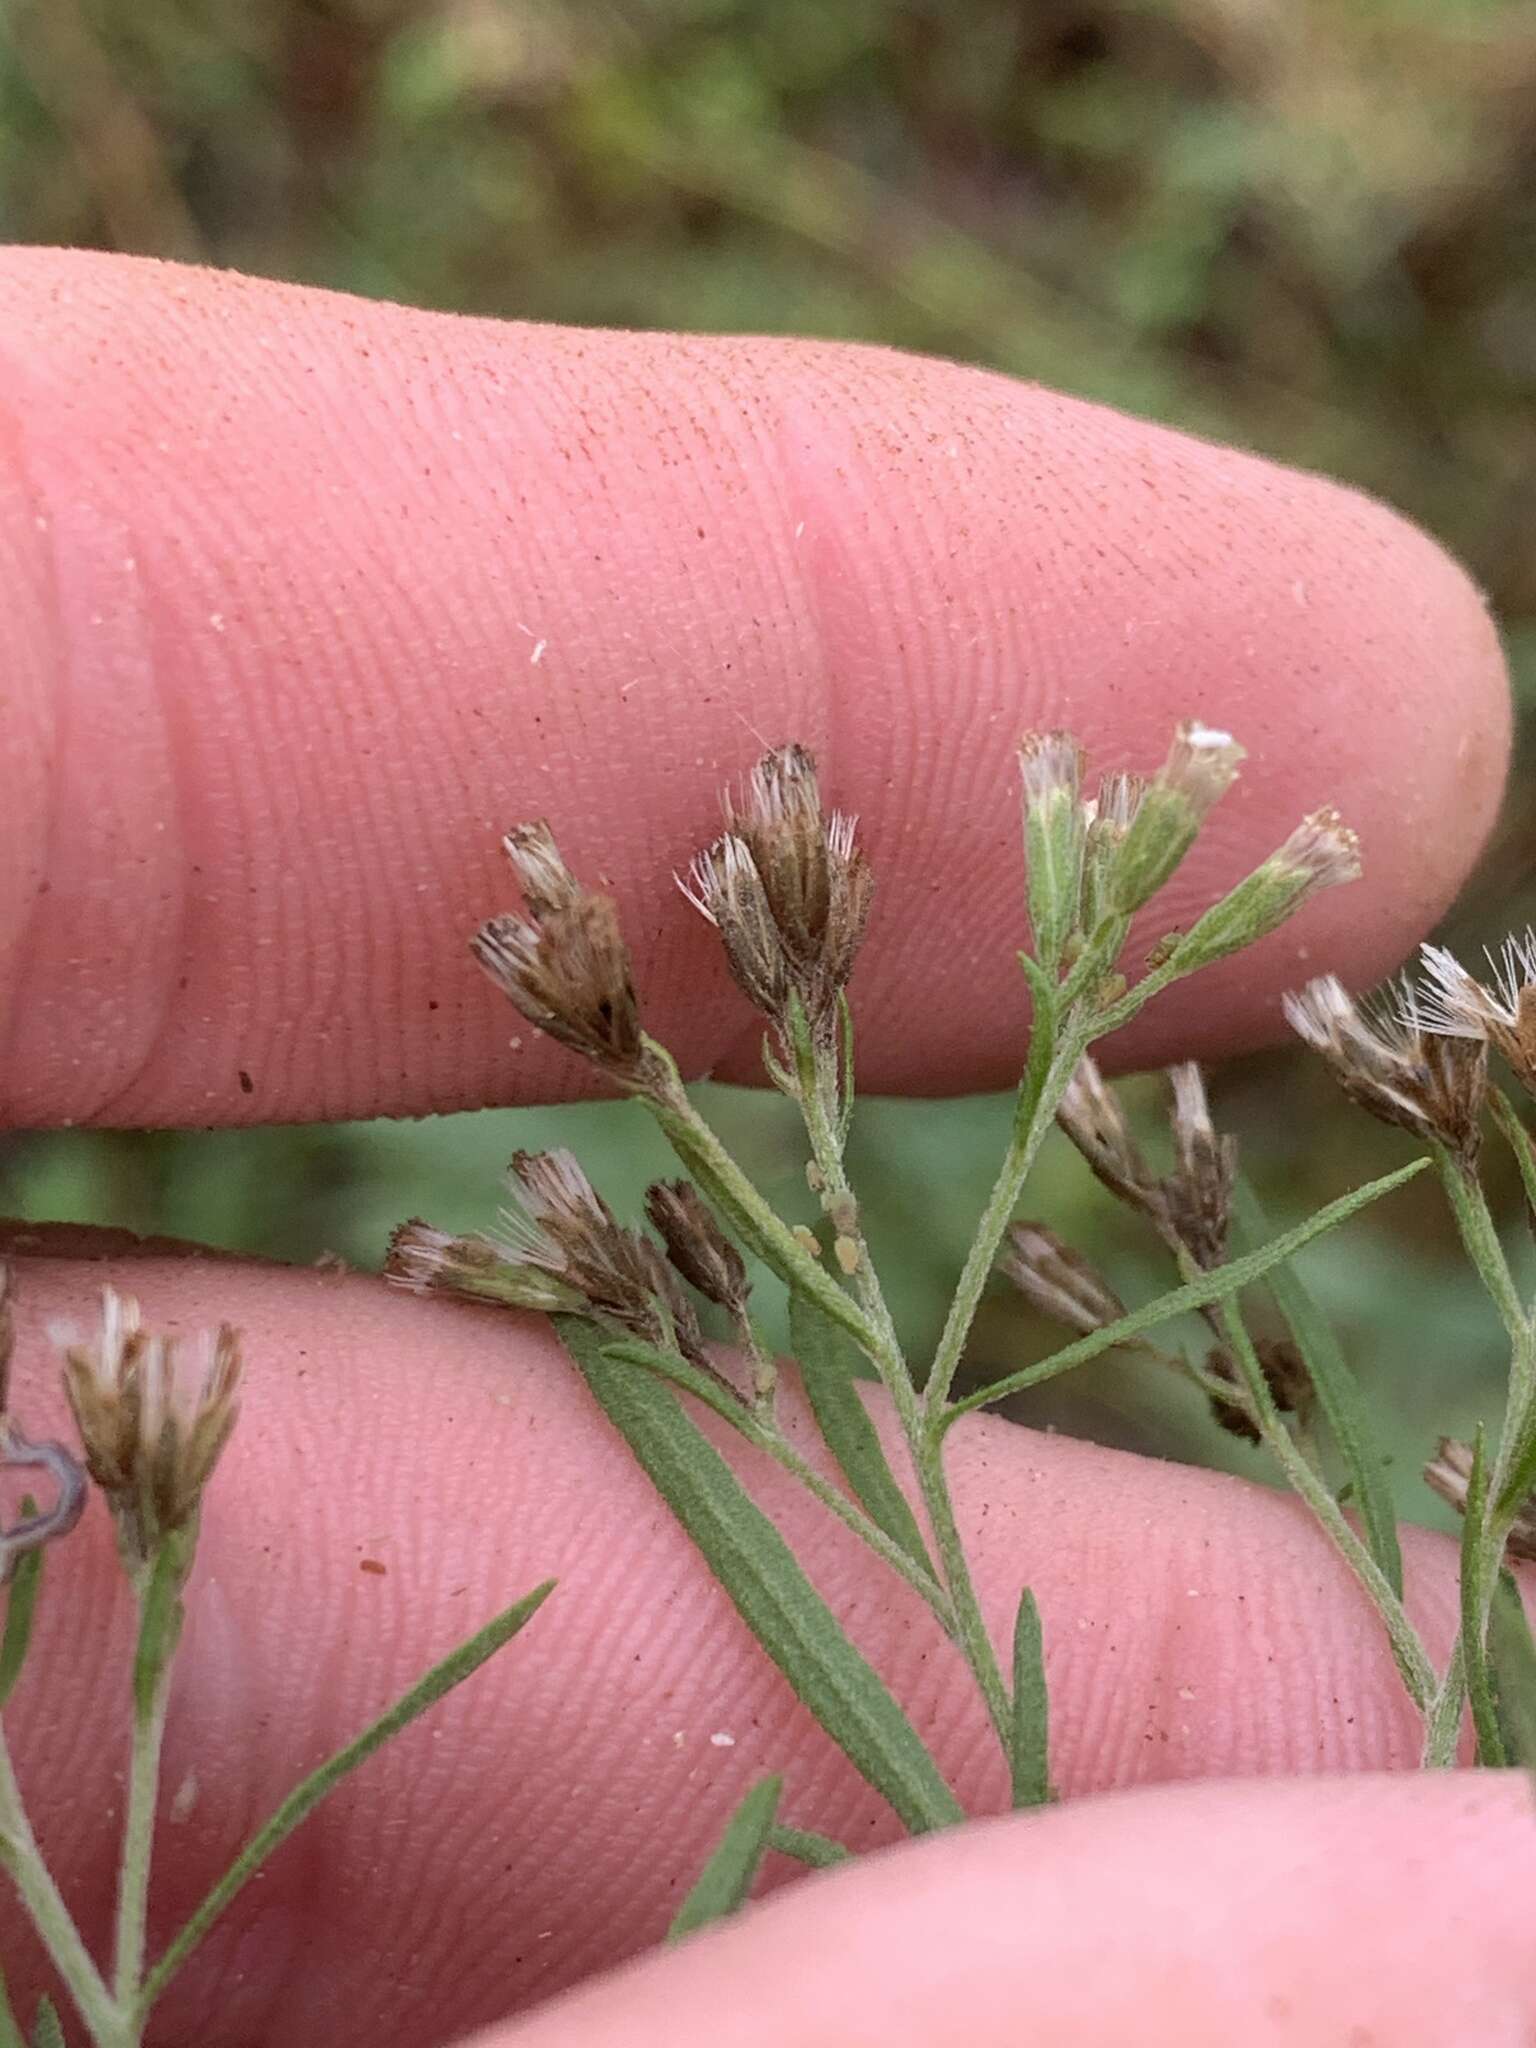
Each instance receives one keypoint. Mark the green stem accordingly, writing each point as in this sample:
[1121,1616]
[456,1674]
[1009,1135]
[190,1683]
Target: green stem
[159,1596]
[1417,1672]
[1442,1736]
[964,1619]
[1480,1236]
[853,1517]
[768,1235]
[21,1857]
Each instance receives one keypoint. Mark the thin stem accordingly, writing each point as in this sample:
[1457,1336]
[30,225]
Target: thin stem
[853,1517]
[1417,1672]
[21,1857]
[965,1620]
[1442,1737]
[1480,1236]
[768,1235]
[157,1640]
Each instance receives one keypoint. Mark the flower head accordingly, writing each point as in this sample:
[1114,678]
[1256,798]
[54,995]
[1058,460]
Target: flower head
[1197,1195]
[1449,1473]
[565,965]
[1455,1004]
[787,887]
[1201,765]
[1059,1281]
[151,1432]
[1393,1065]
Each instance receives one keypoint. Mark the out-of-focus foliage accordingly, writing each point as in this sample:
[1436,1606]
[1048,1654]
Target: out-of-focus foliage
[1305,225]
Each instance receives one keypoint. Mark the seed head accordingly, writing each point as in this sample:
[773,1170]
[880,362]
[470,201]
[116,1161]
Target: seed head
[787,888]
[1197,1195]
[1393,1065]
[1059,1281]
[1449,1473]
[1502,1011]
[696,1245]
[151,1435]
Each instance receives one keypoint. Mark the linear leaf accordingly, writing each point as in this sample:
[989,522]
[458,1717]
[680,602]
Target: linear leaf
[727,1878]
[766,1586]
[1338,1394]
[10,2032]
[1029,1741]
[451,1671]
[828,1360]
[819,1852]
[47,2033]
[1474,1650]
[20,1608]
[727,1405]
[1512,1660]
[1219,1285]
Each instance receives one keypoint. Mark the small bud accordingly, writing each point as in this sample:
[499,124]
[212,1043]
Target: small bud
[813,1177]
[807,1239]
[1233,1416]
[1458,1006]
[1449,1473]
[1393,1066]
[1109,818]
[1197,1195]
[1321,853]
[846,1252]
[1055,830]
[1059,1281]
[151,1440]
[1199,770]
[696,1244]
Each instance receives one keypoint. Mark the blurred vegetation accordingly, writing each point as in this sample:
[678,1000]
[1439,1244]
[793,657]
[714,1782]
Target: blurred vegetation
[1304,225]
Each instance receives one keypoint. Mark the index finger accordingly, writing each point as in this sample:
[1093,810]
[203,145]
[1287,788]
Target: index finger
[304,599]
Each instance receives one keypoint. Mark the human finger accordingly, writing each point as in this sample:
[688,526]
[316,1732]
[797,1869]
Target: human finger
[303,600]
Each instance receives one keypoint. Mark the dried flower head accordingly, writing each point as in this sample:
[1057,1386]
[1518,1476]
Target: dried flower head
[424,1260]
[1457,1005]
[796,920]
[1092,1118]
[565,965]
[1392,1065]
[1059,1281]
[696,1245]
[1285,1374]
[1197,1195]
[152,1434]
[1449,1473]
[1201,765]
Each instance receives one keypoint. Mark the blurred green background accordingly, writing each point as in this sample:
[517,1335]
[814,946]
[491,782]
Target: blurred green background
[1308,226]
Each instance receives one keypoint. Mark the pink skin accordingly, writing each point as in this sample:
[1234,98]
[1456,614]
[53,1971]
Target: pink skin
[266,562]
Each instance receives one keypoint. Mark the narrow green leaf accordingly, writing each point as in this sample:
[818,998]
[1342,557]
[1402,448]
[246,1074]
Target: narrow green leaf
[20,1609]
[820,1852]
[845,1047]
[1512,1662]
[768,1589]
[1518,1139]
[1338,1394]
[829,1361]
[10,2031]
[1485,1719]
[728,1877]
[47,2033]
[1219,1285]
[632,1352]
[1029,1740]
[458,1665]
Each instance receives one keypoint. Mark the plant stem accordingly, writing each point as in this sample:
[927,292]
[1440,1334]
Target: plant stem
[853,1517]
[1418,1673]
[21,1857]
[159,1627]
